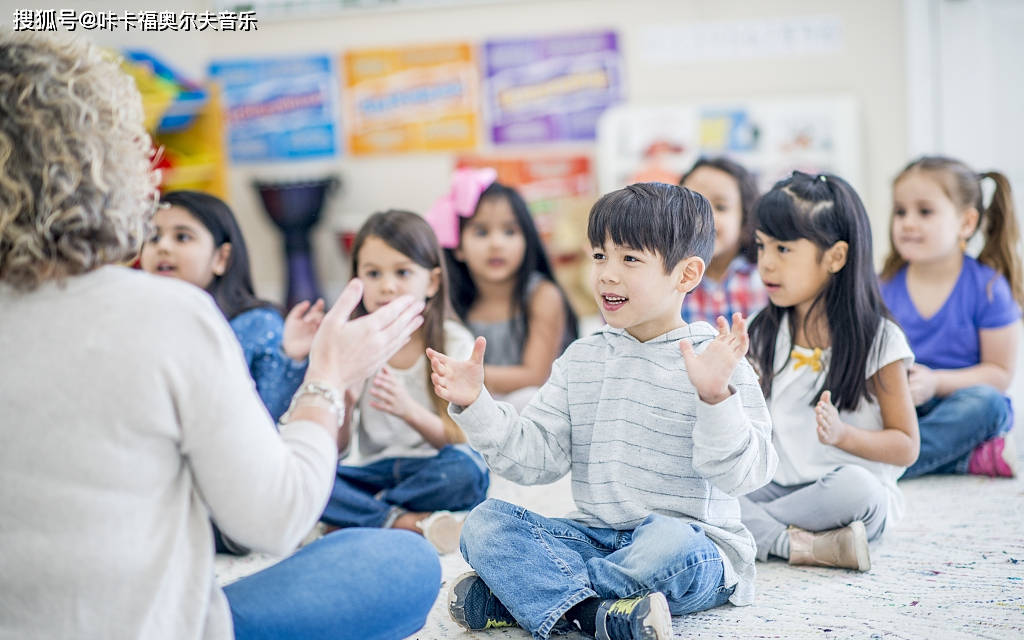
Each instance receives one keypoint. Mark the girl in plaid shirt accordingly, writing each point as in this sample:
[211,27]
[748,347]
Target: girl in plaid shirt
[731,282]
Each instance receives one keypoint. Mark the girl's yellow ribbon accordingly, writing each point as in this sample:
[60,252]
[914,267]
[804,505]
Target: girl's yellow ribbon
[813,360]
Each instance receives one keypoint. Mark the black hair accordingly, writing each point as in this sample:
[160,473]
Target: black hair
[535,260]
[825,210]
[232,291]
[672,221]
[749,194]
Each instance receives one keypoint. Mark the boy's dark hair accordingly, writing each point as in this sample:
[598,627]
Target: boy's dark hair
[672,221]
[825,210]
[749,194]
[233,291]
[535,259]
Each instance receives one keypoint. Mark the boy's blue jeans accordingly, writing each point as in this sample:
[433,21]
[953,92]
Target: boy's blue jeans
[370,584]
[952,426]
[455,479]
[541,567]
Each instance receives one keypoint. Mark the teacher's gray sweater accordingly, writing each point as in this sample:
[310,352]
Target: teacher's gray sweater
[622,417]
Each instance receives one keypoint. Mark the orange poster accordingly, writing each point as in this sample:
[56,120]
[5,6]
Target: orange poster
[406,99]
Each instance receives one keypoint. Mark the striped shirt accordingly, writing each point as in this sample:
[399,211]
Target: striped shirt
[740,290]
[623,418]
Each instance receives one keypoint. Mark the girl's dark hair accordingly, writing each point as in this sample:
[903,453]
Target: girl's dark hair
[747,184]
[233,291]
[825,210]
[963,186]
[535,259]
[411,235]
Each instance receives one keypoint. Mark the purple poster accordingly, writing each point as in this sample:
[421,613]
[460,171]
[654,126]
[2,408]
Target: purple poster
[551,89]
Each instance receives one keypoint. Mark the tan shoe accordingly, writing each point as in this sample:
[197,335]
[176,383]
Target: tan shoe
[442,530]
[845,548]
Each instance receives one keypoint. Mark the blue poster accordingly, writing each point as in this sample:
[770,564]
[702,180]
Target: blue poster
[279,108]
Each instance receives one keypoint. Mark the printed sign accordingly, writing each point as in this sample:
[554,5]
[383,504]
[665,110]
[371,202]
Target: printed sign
[411,99]
[551,89]
[280,108]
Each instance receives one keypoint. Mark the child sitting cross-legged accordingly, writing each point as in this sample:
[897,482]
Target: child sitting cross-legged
[661,424]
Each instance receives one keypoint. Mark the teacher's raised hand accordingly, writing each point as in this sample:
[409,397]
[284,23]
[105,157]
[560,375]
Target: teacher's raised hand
[346,351]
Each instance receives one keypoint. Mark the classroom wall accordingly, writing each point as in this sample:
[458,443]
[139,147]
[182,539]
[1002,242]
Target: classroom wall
[868,66]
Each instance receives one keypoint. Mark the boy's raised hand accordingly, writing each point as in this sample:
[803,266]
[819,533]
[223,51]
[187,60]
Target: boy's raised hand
[710,371]
[458,381]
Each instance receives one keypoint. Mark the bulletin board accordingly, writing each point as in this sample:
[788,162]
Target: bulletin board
[771,137]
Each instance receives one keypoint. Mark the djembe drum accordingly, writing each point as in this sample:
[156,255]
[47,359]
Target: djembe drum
[295,208]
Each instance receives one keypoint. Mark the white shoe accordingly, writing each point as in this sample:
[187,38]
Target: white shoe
[442,530]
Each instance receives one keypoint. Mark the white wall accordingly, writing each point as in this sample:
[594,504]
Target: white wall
[869,65]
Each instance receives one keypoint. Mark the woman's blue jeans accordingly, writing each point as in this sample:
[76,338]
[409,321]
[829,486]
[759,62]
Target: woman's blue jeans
[365,584]
[952,426]
[455,479]
[540,567]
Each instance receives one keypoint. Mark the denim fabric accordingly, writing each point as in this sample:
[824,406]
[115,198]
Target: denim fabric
[540,567]
[838,498]
[455,479]
[277,376]
[357,583]
[952,426]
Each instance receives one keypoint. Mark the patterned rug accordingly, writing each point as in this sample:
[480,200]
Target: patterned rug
[952,569]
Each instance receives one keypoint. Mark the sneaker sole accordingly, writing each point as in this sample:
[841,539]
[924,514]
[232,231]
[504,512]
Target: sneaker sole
[659,618]
[457,599]
[860,542]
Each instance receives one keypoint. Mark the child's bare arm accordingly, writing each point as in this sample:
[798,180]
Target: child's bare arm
[897,443]
[547,330]
[996,369]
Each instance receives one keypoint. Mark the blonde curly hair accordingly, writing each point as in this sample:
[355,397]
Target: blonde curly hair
[77,184]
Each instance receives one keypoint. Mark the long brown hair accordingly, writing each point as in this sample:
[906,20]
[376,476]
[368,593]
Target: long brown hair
[410,235]
[963,187]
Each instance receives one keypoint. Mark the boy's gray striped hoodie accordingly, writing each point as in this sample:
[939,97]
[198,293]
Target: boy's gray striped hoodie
[624,419]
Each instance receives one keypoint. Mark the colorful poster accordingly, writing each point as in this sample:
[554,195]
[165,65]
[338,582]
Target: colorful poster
[279,108]
[560,189]
[551,89]
[411,99]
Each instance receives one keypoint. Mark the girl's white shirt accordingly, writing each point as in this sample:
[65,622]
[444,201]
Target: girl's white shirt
[380,435]
[802,457]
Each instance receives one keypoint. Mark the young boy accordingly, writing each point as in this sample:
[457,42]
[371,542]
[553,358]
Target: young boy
[659,440]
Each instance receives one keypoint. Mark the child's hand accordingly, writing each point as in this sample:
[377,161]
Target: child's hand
[458,382]
[922,384]
[710,371]
[299,328]
[831,429]
[391,395]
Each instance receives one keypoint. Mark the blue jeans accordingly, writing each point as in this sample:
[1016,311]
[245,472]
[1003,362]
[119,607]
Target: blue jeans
[952,426]
[541,567]
[356,583]
[371,496]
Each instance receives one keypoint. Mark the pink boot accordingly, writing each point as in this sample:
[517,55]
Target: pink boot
[996,457]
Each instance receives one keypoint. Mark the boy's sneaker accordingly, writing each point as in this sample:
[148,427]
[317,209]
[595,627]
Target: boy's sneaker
[844,548]
[996,457]
[442,530]
[472,605]
[646,618]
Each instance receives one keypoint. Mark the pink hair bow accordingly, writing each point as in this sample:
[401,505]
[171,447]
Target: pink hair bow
[460,201]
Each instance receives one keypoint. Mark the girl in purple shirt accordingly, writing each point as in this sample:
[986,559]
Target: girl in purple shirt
[960,314]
